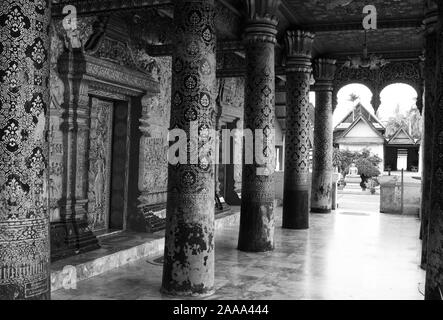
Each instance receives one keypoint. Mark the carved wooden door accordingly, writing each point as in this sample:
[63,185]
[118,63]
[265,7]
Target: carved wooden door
[120,152]
[100,164]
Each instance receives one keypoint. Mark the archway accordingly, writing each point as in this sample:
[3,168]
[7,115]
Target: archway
[349,96]
[401,117]
[358,136]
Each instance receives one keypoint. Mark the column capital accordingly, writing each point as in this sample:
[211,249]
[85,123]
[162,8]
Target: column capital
[324,73]
[262,20]
[431,16]
[299,50]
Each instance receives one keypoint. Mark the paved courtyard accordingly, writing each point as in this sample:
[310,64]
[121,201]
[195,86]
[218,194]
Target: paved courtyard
[354,253]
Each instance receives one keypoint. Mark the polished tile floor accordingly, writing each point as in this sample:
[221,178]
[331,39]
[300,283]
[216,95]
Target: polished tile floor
[355,253]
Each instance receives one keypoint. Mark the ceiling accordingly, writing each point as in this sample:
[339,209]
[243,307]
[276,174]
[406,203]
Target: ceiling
[338,11]
[337,23]
[339,30]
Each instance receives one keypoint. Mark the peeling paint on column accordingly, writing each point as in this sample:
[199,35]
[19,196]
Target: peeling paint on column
[321,190]
[258,191]
[189,244]
[321,196]
[24,104]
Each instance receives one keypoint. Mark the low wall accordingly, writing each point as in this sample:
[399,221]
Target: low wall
[391,195]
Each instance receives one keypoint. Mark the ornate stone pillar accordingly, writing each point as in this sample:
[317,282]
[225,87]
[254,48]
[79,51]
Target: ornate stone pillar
[321,191]
[189,244]
[434,263]
[258,189]
[296,181]
[72,234]
[24,103]
[427,143]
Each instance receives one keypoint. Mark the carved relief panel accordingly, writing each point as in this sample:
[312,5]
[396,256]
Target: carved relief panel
[100,164]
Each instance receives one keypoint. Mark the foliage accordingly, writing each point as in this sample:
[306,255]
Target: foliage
[342,159]
[367,168]
[411,122]
[353,97]
[367,163]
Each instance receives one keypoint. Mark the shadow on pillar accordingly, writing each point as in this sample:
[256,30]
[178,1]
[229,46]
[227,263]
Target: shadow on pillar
[71,235]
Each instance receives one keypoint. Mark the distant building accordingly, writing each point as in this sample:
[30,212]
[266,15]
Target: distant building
[402,152]
[360,130]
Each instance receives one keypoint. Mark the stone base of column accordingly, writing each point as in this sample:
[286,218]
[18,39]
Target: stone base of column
[71,237]
[436,294]
[16,292]
[257,227]
[190,294]
[334,196]
[321,194]
[320,210]
[296,210]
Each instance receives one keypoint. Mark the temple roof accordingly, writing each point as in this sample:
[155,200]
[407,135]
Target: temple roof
[361,131]
[402,137]
[359,111]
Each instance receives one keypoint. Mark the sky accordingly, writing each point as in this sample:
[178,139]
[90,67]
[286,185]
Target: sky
[396,94]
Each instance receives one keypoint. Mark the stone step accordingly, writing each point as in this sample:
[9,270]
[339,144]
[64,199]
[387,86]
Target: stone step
[118,250]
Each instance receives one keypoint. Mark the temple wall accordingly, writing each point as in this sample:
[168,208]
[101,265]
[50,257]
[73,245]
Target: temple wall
[153,173]
[153,125]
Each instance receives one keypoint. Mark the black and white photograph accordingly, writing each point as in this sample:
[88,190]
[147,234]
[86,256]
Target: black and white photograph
[221,156]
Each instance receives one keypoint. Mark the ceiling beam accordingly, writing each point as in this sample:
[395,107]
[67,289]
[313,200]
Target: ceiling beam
[236,47]
[357,26]
[88,7]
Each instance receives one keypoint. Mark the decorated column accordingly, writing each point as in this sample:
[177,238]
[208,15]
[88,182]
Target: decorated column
[258,188]
[321,191]
[24,102]
[434,263]
[189,244]
[72,234]
[426,146]
[296,184]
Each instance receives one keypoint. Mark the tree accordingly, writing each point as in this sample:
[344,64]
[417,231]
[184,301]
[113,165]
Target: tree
[353,97]
[342,159]
[411,122]
[367,163]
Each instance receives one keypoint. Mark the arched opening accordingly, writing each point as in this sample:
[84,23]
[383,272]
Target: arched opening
[358,140]
[349,96]
[404,127]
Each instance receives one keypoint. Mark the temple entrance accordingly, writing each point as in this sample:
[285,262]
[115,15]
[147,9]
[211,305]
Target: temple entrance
[402,159]
[108,165]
